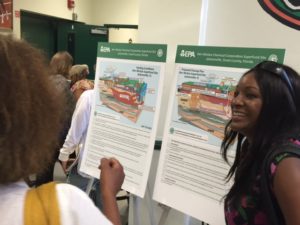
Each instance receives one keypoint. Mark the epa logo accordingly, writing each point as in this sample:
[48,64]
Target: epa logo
[104,49]
[187,54]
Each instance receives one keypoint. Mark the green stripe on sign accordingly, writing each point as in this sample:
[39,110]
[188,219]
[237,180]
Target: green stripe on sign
[227,56]
[143,52]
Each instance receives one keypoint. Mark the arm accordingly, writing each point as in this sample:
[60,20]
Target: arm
[112,177]
[77,93]
[81,86]
[287,189]
[77,129]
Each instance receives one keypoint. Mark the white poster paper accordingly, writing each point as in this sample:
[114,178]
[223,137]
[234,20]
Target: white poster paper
[191,172]
[123,125]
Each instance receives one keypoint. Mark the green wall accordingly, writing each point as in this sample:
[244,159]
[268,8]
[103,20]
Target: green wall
[83,44]
[53,34]
[40,33]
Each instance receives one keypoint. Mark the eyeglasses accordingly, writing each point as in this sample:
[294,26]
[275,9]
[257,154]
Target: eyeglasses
[277,69]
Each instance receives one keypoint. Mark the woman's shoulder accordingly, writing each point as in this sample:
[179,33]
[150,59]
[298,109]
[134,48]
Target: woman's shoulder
[290,149]
[84,84]
[70,190]
[77,208]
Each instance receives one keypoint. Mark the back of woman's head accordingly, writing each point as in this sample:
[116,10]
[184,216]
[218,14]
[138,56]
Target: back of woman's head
[29,111]
[61,63]
[78,72]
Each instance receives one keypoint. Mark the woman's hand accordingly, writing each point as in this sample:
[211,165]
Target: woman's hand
[112,176]
[66,164]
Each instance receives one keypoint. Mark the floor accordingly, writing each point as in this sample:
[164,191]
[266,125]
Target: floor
[60,176]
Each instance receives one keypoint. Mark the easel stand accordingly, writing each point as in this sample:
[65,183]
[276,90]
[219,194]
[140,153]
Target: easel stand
[164,215]
[137,208]
[89,186]
[137,213]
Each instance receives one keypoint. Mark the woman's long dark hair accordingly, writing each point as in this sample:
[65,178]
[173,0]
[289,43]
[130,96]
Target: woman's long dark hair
[277,121]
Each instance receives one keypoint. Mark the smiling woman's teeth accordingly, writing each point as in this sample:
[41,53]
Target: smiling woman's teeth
[238,114]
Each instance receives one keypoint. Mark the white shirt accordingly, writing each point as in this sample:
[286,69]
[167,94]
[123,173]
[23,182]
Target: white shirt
[79,125]
[75,206]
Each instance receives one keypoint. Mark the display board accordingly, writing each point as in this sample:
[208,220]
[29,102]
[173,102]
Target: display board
[128,86]
[191,173]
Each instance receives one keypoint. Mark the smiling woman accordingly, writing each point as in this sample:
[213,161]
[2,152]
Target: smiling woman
[246,105]
[265,122]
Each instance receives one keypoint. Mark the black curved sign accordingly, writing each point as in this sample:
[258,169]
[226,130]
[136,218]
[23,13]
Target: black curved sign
[285,11]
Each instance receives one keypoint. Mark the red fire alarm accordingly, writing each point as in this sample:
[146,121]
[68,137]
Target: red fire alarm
[71,4]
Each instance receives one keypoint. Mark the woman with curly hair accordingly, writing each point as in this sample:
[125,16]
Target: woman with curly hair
[30,119]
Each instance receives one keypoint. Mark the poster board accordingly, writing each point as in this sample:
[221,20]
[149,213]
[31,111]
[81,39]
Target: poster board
[128,86]
[191,172]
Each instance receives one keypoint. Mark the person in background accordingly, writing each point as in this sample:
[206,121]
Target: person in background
[75,142]
[30,118]
[61,63]
[266,169]
[60,66]
[79,83]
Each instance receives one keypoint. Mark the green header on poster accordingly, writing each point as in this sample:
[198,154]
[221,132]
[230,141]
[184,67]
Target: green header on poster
[143,52]
[227,56]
